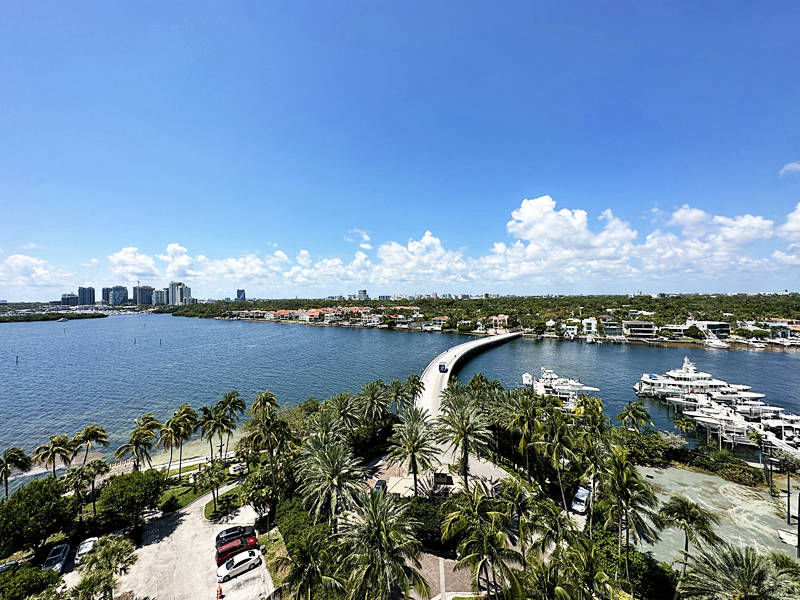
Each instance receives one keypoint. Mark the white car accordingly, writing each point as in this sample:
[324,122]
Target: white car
[581,500]
[84,549]
[241,563]
[57,558]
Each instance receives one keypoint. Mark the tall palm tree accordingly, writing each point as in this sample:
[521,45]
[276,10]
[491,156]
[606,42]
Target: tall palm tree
[214,421]
[13,459]
[264,400]
[381,551]
[592,440]
[169,436]
[268,432]
[414,387]
[310,568]
[683,424]
[696,522]
[232,404]
[398,396]
[485,548]
[463,428]
[95,468]
[374,401]
[140,442]
[551,528]
[555,438]
[186,420]
[77,479]
[732,573]
[413,443]
[630,501]
[60,447]
[522,413]
[212,477]
[92,436]
[583,566]
[111,555]
[330,478]
[344,407]
[635,414]
[520,501]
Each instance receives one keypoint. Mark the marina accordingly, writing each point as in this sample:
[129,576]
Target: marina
[731,412]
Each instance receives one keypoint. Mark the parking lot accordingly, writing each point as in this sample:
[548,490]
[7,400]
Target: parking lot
[176,559]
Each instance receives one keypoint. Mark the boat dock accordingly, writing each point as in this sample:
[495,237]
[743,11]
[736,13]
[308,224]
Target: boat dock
[435,381]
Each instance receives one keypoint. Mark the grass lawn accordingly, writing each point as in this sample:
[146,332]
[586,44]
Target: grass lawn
[274,548]
[226,504]
[186,493]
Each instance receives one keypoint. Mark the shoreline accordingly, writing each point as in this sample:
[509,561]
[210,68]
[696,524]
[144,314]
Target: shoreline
[734,345]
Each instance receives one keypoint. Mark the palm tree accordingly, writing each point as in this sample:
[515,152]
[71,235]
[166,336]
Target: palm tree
[520,502]
[398,397]
[264,400]
[213,476]
[92,436]
[268,432]
[374,401]
[695,521]
[215,421]
[140,442]
[636,415]
[343,406]
[683,424]
[169,436]
[186,421]
[60,447]
[232,404]
[732,573]
[13,458]
[309,566]
[550,527]
[583,566]
[414,387]
[330,478]
[112,556]
[95,468]
[554,437]
[463,428]
[485,547]
[522,412]
[381,551]
[77,479]
[630,501]
[413,443]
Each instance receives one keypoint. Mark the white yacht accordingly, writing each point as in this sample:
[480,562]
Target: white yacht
[551,384]
[678,382]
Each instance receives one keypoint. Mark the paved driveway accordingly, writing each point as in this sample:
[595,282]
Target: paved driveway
[176,559]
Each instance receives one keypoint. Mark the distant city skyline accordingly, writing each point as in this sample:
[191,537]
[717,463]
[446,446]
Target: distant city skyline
[312,149]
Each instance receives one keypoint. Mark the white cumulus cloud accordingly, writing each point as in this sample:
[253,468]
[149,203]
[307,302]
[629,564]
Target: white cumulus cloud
[22,271]
[130,264]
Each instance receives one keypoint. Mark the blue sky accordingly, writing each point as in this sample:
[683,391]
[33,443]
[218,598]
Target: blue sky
[315,148]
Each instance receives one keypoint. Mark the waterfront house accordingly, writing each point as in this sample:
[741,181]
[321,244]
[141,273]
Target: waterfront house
[639,329]
[721,329]
[589,326]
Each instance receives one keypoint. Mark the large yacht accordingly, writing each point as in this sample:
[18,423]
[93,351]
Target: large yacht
[551,384]
[678,382]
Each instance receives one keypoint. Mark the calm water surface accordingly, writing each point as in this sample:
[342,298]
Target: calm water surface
[111,370]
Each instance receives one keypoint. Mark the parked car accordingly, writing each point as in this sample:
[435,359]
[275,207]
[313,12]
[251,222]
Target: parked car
[230,534]
[9,565]
[237,469]
[241,563]
[231,549]
[57,558]
[84,549]
[442,367]
[380,485]
[581,500]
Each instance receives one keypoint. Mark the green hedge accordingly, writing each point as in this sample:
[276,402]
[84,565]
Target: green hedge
[429,514]
[294,521]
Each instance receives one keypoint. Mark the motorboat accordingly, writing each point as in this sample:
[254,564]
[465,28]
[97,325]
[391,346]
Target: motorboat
[551,384]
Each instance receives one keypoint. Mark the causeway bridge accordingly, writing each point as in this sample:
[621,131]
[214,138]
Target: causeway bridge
[436,381]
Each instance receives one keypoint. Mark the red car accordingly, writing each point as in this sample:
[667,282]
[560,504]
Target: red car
[235,547]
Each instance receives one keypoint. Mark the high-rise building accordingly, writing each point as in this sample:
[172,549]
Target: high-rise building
[240,296]
[69,299]
[119,295]
[105,296]
[362,295]
[142,294]
[160,296]
[85,296]
[179,293]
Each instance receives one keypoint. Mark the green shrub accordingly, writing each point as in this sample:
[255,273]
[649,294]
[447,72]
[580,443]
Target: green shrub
[170,504]
[25,581]
[294,521]
[428,515]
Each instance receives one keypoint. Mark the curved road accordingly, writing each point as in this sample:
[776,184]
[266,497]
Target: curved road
[435,381]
